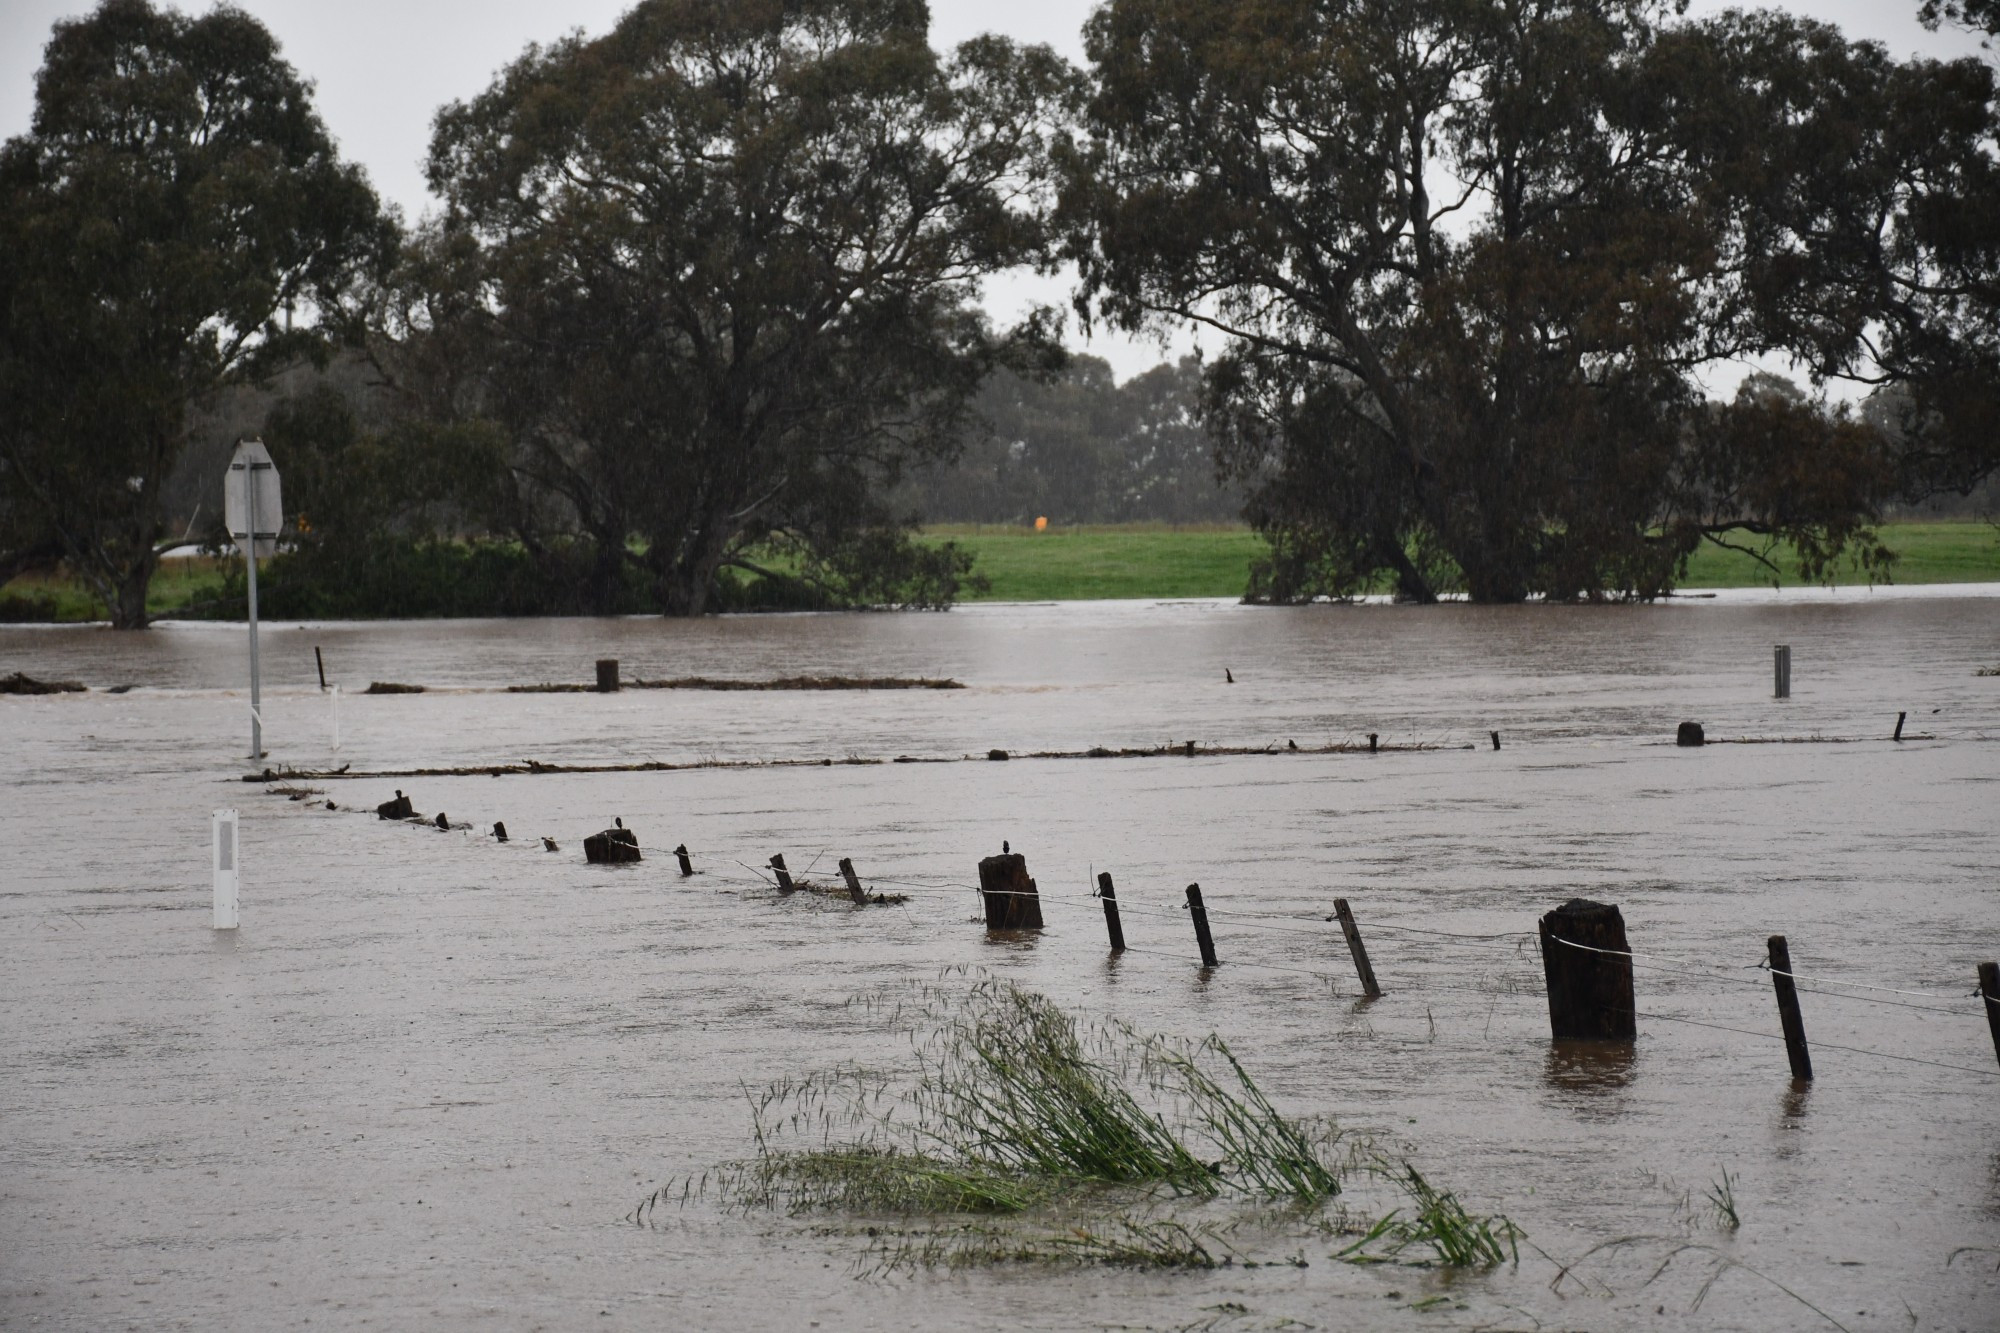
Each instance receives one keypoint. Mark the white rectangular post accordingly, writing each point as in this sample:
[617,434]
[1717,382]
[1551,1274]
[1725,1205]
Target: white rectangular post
[222,852]
[256,685]
[336,719]
[1781,664]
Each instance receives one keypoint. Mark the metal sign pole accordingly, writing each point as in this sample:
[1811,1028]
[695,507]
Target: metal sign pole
[256,690]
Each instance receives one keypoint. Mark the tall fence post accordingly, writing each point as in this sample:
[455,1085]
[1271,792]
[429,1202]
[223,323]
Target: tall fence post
[222,842]
[1989,993]
[1201,935]
[1788,1010]
[1357,948]
[1781,671]
[854,889]
[1109,896]
[1588,966]
[1012,901]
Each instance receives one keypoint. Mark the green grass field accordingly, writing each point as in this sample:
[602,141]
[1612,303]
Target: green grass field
[1142,560]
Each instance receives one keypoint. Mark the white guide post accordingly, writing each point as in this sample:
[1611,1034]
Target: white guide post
[336,719]
[222,852]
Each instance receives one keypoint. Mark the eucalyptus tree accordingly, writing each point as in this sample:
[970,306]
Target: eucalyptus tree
[1470,259]
[726,255]
[176,218]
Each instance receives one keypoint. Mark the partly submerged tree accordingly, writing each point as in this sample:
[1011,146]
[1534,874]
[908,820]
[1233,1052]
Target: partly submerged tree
[177,217]
[724,259]
[1471,258]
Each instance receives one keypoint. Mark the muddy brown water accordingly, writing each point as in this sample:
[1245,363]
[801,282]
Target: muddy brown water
[429,1078]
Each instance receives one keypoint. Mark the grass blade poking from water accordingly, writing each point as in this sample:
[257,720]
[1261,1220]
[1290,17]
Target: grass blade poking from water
[1438,1222]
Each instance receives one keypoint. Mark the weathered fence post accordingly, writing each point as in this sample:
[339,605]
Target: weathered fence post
[397,809]
[1496,738]
[1357,948]
[1788,1009]
[784,875]
[1373,739]
[499,831]
[1588,966]
[854,889]
[617,845]
[681,854]
[1899,726]
[1781,667]
[1201,935]
[1112,925]
[1012,901]
[1690,733]
[607,675]
[320,662]
[1989,993]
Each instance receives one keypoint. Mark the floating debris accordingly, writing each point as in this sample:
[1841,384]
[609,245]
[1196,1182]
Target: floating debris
[22,683]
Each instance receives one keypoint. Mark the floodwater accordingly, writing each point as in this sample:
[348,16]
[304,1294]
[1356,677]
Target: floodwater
[426,1082]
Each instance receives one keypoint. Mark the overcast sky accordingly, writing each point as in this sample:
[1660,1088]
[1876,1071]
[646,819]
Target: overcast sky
[383,67]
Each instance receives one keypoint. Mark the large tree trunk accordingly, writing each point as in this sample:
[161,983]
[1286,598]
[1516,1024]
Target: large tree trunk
[128,605]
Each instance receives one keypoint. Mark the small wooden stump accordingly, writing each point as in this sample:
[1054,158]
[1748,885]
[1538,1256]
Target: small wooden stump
[1012,901]
[607,675]
[614,846]
[1690,733]
[397,809]
[854,889]
[1588,966]
[681,855]
[1989,995]
[996,754]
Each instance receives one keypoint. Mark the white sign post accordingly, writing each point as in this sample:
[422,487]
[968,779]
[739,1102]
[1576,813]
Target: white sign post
[222,840]
[254,509]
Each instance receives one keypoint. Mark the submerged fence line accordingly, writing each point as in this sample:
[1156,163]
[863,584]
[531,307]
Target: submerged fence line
[1588,983]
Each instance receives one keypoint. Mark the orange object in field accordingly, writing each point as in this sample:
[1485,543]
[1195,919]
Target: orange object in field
[1041,525]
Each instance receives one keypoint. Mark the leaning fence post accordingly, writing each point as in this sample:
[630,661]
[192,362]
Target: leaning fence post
[681,854]
[1201,935]
[1899,726]
[1588,967]
[784,875]
[1788,1009]
[1012,901]
[1989,994]
[1111,923]
[854,889]
[1357,948]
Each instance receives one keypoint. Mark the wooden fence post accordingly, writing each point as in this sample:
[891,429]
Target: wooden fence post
[1788,1010]
[681,855]
[1201,935]
[1899,726]
[1989,994]
[1588,966]
[784,875]
[854,889]
[1112,925]
[607,675]
[1781,671]
[1357,948]
[1012,901]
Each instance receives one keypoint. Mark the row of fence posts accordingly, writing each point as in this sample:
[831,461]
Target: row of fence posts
[1586,958]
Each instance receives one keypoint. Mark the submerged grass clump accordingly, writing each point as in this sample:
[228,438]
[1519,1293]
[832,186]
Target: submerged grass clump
[1437,1223]
[1021,1134]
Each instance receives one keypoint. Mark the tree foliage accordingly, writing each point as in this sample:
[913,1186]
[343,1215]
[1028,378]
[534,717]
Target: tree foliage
[1473,259]
[720,264]
[176,218]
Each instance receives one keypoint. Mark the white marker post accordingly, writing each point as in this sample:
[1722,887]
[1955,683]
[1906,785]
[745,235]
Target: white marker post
[222,851]
[254,510]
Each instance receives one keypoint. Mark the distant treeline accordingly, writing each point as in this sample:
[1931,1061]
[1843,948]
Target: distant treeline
[695,325]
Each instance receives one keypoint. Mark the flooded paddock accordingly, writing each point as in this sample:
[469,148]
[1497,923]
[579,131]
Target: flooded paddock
[429,1078]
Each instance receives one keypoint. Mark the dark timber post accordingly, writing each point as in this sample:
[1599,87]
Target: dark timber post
[1788,1009]
[1588,966]
[1201,935]
[1117,930]
[854,889]
[1496,738]
[1373,738]
[321,663]
[1012,901]
[784,875]
[1899,726]
[681,854]
[1989,994]
[1357,948]
[607,675]
[1781,670]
